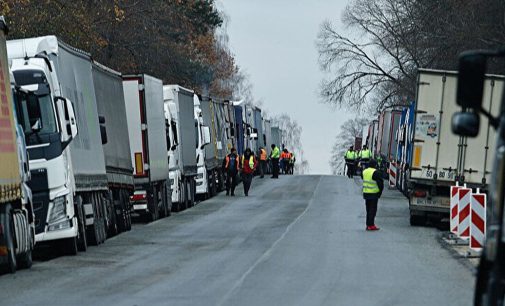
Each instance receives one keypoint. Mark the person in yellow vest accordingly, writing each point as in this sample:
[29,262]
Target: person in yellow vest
[274,157]
[364,156]
[292,160]
[350,161]
[373,185]
[248,165]
[263,161]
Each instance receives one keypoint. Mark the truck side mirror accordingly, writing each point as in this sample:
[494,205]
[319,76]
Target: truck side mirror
[67,119]
[466,124]
[103,129]
[206,135]
[472,69]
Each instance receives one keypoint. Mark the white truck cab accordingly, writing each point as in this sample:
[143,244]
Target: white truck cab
[203,139]
[47,142]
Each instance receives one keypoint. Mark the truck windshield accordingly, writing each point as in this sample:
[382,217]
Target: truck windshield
[36,115]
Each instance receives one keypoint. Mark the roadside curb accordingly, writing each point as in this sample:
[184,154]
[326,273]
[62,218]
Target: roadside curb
[459,250]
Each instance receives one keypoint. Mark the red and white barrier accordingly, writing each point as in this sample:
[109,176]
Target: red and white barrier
[454,213]
[478,221]
[465,195]
[392,175]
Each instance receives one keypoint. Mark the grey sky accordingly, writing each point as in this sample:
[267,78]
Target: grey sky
[274,42]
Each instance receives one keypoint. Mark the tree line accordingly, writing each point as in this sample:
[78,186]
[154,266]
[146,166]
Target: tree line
[182,42]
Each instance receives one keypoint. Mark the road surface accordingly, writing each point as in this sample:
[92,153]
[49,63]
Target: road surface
[298,240]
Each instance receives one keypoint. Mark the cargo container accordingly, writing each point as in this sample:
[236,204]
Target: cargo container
[147,132]
[439,157]
[118,163]
[389,120]
[17,234]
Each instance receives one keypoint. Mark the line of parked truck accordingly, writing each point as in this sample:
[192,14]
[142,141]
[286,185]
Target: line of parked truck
[417,144]
[84,147]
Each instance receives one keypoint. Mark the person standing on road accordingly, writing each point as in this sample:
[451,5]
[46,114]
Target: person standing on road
[263,161]
[231,167]
[365,155]
[274,156]
[372,191]
[350,160]
[292,160]
[284,160]
[248,164]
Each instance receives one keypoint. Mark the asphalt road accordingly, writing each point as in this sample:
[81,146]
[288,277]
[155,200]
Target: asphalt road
[299,240]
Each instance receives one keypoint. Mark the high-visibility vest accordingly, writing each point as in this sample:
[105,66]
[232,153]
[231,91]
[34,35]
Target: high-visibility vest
[369,185]
[365,154]
[251,161]
[275,153]
[263,155]
[350,154]
[228,162]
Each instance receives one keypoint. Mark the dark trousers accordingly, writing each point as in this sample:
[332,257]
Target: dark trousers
[263,167]
[350,169]
[275,167]
[231,181]
[371,211]
[247,180]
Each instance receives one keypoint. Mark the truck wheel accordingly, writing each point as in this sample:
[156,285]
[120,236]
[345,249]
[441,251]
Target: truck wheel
[416,220]
[168,200]
[183,199]
[25,260]
[153,204]
[192,192]
[9,233]
[82,243]
[94,231]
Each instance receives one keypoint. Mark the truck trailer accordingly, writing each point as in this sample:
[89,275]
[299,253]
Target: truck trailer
[439,157]
[147,133]
[118,163]
[17,220]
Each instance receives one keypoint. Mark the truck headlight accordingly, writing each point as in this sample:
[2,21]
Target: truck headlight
[59,210]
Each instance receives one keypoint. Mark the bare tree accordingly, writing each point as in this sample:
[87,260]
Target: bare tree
[375,63]
[291,136]
[349,130]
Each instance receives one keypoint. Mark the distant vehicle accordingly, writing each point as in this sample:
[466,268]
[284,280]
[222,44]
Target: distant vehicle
[17,221]
[439,158]
[148,145]
[203,186]
[479,95]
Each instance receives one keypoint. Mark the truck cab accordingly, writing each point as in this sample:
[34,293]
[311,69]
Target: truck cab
[172,153]
[49,125]
[203,139]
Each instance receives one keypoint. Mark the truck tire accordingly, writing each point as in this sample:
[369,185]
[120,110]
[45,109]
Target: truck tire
[82,243]
[192,192]
[25,260]
[94,231]
[183,200]
[163,200]
[8,222]
[128,216]
[153,204]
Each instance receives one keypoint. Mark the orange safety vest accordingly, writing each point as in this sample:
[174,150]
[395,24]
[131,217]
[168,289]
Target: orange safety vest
[284,155]
[228,162]
[263,155]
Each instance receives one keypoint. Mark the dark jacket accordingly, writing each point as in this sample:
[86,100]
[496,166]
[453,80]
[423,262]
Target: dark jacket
[377,177]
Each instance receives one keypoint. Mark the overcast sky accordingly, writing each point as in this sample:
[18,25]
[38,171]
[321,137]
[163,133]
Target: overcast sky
[274,42]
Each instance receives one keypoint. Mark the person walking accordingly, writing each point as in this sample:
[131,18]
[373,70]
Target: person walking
[292,160]
[284,160]
[372,191]
[231,167]
[248,165]
[263,162]
[274,156]
[350,161]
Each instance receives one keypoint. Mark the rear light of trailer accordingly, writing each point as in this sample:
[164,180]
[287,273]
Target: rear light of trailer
[420,193]
[138,197]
